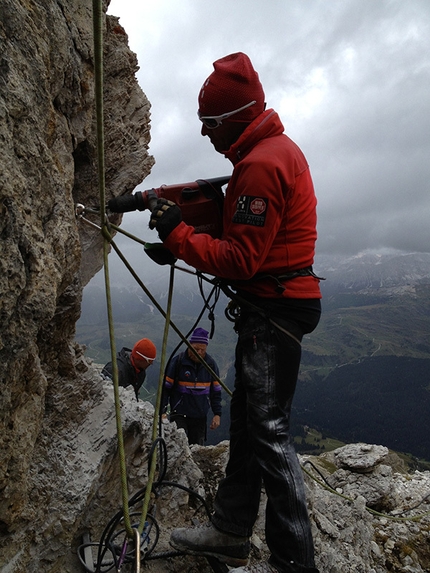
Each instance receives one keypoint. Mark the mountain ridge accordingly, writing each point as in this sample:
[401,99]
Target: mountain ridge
[376,311]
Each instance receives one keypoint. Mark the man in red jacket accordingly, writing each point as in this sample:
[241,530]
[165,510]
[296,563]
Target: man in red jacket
[265,254]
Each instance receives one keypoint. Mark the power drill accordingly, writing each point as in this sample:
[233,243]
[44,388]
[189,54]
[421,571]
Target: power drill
[201,202]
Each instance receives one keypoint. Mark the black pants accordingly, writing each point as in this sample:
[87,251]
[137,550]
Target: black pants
[267,366]
[195,428]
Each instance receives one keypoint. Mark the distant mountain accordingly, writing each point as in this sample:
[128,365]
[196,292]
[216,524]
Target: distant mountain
[373,273]
[365,369]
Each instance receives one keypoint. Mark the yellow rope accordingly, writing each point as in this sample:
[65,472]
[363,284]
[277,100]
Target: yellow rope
[163,313]
[158,405]
[98,78]
[105,230]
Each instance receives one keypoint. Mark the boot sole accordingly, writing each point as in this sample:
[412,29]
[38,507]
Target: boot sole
[227,559]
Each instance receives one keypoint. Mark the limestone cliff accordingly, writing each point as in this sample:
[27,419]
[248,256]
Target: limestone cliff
[59,471]
[47,134]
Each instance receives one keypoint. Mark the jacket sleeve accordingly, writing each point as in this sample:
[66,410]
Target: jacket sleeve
[244,247]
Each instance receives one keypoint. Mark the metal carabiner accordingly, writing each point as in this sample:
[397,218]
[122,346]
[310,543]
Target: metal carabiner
[137,550]
[80,211]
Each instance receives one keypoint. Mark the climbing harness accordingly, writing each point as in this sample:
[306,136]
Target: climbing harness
[279,279]
[237,302]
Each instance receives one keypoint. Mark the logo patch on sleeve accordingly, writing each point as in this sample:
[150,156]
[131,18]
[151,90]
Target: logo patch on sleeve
[251,211]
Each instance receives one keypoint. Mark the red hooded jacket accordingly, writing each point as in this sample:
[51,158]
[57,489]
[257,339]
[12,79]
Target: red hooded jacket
[269,218]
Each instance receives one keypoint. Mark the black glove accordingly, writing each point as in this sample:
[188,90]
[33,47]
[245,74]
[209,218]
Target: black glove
[165,217]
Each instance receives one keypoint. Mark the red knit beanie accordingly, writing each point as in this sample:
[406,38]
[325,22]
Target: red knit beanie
[144,348]
[233,84]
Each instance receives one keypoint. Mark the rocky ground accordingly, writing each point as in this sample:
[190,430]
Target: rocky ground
[369,514]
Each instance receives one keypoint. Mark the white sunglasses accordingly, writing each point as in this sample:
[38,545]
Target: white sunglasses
[149,360]
[213,121]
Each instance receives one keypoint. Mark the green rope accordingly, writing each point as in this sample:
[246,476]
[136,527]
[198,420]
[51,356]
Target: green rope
[98,77]
[163,313]
[152,469]
[127,234]
[115,379]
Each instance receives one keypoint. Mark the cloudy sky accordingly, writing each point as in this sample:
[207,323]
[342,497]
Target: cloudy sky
[349,78]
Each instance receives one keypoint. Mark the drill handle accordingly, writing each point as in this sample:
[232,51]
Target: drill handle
[126,203]
[151,199]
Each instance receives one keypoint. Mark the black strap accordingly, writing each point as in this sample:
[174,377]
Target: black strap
[279,279]
[211,308]
[232,312]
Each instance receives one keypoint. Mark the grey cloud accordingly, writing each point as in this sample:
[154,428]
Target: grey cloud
[365,130]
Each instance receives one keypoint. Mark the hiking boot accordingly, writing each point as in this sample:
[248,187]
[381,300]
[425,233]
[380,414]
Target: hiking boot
[263,567]
[207,540]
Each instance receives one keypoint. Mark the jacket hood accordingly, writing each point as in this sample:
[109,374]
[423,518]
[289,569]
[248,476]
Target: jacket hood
[125,352]
[267,124]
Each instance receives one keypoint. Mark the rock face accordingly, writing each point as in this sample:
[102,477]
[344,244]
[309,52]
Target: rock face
[59,470]
[365,521]
[48,142]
